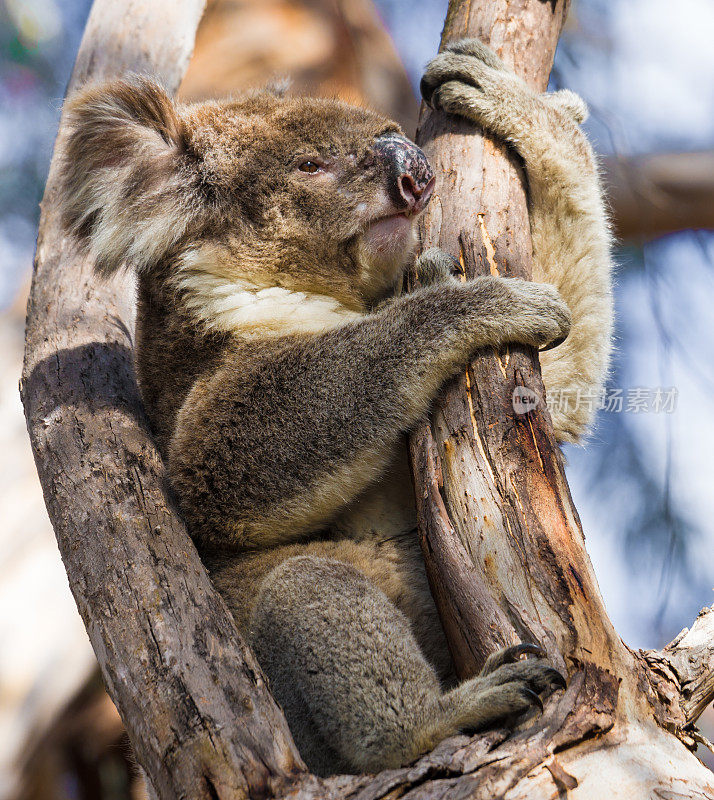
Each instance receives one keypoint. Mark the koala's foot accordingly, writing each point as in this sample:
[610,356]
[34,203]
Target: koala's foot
[355,687]
[504,693]
[537,314]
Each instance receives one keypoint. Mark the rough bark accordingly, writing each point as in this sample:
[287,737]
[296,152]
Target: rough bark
[191,695]
[686,664]
[500,475]
[198,714]
[501,538]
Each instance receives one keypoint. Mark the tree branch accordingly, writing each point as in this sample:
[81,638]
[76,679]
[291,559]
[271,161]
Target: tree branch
[688,663]
[499,531]
[653,195]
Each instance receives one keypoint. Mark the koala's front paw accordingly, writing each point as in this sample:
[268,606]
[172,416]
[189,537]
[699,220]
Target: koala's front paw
[538,316]
[568,103]
[436,266]
[470,80]
[464,61]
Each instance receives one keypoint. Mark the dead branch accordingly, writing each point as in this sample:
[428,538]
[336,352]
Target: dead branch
[688,663]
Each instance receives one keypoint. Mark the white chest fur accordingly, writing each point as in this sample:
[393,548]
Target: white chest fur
[250,308]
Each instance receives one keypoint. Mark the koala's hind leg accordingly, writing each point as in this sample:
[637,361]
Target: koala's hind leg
[357,692]
[343,664]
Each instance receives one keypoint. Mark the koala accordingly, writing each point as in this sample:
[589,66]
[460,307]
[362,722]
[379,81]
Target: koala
[281,369]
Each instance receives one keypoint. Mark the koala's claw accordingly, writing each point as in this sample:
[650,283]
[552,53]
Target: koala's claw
[509,655]
[536,675]
[542,318]
[524,648]
[534,672]
[532,697]
[553,344]
[508,689]
[466,61]
[556,679]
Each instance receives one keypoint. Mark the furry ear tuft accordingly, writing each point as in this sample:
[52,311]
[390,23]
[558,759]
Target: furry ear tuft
[126,178]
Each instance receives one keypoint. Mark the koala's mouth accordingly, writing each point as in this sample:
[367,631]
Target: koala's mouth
[390,232]
[387,230]
[385,240]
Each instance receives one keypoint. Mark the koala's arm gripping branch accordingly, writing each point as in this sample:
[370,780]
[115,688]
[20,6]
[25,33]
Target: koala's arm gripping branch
[345,397]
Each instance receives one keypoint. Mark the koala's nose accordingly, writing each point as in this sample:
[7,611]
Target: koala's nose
[410,179]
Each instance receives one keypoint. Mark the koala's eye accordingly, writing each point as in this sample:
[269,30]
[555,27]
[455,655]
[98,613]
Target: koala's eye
[309,166]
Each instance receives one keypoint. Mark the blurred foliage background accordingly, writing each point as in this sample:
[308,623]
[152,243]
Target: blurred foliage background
[642,483]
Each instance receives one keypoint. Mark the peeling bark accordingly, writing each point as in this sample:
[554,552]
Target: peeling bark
[681,676]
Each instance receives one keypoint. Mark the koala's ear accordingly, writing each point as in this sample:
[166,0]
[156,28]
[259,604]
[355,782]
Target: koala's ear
[127,181]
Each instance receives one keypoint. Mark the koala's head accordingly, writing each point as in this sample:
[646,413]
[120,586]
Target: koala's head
[308,194]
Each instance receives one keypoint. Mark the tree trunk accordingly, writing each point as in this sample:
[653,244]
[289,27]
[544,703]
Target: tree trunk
[498,474]
[501,538]
[193,699]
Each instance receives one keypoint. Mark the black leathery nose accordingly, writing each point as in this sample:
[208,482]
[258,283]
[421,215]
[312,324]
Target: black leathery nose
[408,172]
